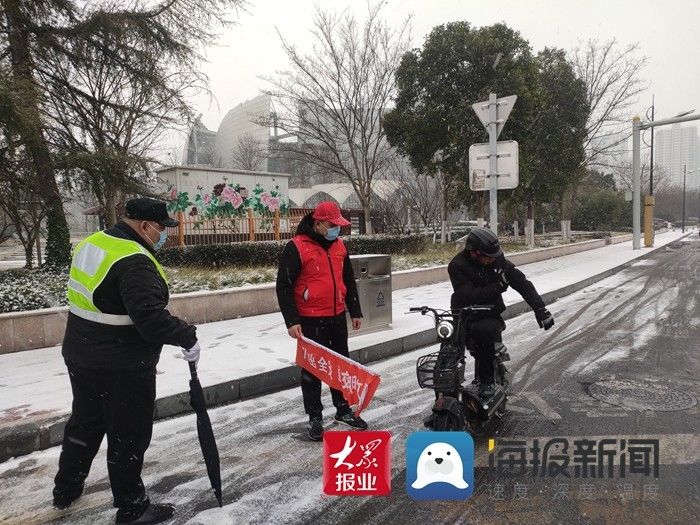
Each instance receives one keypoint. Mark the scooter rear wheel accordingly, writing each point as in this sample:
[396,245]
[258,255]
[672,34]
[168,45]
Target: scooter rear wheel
[471,411]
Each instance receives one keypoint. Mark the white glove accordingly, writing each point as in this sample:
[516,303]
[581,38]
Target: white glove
[192,354]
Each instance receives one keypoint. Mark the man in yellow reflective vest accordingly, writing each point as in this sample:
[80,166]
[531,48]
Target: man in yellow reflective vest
[117,325]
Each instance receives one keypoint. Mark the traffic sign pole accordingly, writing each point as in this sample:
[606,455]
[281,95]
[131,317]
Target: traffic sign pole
[493,163]
[493,120]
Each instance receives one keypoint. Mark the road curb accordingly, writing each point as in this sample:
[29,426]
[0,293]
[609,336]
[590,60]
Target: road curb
[26,438]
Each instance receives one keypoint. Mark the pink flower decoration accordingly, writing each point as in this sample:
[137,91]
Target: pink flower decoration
[228,194]
[265,198]
[236,200]
[273,203]
[173,193]
[207,198]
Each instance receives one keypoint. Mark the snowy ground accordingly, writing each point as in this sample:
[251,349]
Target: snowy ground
[236,348]
[639,324]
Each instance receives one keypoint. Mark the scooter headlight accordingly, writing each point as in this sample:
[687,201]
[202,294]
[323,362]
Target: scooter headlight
[445,330]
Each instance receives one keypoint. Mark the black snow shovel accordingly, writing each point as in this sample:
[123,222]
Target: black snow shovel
[205,433]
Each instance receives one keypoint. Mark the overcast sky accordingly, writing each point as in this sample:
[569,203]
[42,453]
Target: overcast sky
[667,31]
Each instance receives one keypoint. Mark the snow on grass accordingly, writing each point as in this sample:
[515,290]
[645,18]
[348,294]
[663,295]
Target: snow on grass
[32,289]
[188,279]
[35,289]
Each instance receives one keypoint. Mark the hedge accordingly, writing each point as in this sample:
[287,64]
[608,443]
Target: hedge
[22,289]
[391,244]
[267,253]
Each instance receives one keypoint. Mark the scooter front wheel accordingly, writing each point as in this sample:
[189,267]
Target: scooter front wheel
[446,421]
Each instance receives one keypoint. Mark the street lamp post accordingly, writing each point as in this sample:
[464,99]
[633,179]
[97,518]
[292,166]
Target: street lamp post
[649,199]
[637,127]
[685,172]
[683,223]
[651,147]
[636,227]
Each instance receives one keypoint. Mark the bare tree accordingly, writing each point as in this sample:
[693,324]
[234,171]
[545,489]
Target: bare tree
[6,227]
[613,83]
[107,123]
[391,213]
[624,176]
[419,194]
[669,203]
[303,174]
[20,202]
[249,153]
[140,36]
[332,100]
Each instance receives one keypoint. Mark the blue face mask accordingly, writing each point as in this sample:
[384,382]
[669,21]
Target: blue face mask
[332,233]
[161,240]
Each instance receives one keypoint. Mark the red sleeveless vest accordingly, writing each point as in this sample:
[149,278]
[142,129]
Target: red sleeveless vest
[320,290]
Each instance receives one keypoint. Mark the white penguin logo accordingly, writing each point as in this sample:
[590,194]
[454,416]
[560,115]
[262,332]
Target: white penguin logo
[440,462]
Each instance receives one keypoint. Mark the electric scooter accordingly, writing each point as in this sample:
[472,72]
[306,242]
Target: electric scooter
[458,405]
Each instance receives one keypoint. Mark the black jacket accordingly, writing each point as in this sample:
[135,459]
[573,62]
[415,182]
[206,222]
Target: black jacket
[473,283]
[289,269]
[134,287]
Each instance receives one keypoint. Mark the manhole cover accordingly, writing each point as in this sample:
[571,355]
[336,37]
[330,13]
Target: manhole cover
[641,395]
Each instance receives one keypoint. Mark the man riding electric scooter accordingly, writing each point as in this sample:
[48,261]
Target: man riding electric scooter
[479,275]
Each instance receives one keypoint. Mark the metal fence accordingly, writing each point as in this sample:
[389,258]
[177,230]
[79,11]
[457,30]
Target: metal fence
[245,227]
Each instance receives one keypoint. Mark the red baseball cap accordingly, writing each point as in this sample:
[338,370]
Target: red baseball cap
[329,211]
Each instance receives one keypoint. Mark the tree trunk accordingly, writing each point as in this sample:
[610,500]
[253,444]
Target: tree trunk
[28,254]
[32,135]
[38,250]
[530,228]
[565,218]
[480,208]
[368,215]
[443,233]
[110,206]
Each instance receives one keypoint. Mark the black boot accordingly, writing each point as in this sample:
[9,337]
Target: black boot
[63,499]
[316,429]
[486,390]
[154,513]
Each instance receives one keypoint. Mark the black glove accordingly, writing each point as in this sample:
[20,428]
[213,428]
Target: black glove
[544,318]
[502,282]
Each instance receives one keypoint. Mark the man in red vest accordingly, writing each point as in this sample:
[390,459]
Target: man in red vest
[315,286]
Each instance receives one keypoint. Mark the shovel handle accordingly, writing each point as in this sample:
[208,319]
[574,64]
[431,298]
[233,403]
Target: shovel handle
[193,369]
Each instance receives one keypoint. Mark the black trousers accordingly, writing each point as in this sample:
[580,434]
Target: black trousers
[332,333]
[481,339]
[480,336]
[119,404]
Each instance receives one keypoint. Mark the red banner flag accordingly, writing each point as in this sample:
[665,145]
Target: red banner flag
[357,383]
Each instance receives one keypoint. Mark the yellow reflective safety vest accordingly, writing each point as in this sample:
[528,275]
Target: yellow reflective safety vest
[92,260]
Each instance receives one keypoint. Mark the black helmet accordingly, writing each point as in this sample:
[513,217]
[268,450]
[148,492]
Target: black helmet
[484,241]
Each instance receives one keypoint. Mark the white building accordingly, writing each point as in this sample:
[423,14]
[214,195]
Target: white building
[675,147]
[342,193]
[215,148]
[191,178]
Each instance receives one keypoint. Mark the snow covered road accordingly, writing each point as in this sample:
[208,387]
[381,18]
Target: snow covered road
[640,325]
